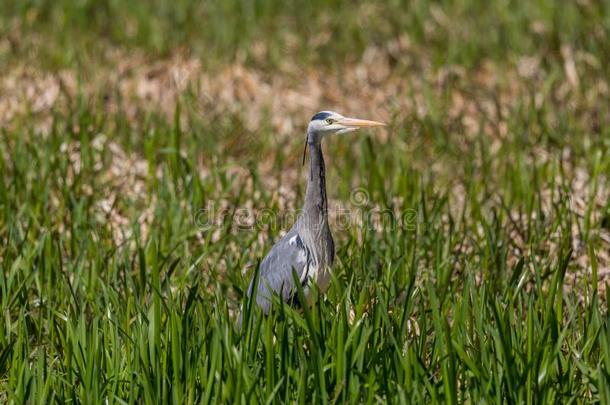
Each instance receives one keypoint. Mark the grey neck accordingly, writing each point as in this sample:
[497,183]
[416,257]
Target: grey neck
[315,210]
[313,222]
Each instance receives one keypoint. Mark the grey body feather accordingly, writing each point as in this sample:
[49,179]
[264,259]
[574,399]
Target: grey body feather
[287,255]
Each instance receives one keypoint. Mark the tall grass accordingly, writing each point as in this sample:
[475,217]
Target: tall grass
[434,312]
[111,290]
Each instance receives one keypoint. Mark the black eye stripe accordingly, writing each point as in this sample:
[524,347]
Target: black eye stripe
[320,116]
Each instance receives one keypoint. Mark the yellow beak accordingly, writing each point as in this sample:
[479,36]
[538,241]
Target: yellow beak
[358,123]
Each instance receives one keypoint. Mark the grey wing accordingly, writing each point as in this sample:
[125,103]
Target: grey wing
[288,254]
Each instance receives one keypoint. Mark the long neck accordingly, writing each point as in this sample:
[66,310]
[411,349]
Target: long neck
[315,209]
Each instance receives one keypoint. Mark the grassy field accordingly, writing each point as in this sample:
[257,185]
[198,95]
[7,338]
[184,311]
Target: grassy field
[150,155]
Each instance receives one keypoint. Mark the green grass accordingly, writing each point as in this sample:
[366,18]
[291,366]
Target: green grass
[325,32]
[481,297]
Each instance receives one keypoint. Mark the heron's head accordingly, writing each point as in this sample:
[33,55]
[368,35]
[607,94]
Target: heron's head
[330,122]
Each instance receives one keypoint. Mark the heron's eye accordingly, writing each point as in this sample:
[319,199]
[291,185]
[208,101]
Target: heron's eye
[329,121]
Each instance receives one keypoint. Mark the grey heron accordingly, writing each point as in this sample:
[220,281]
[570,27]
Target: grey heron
[307,248]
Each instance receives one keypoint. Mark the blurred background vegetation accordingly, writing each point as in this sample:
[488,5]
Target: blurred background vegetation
[328,32]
